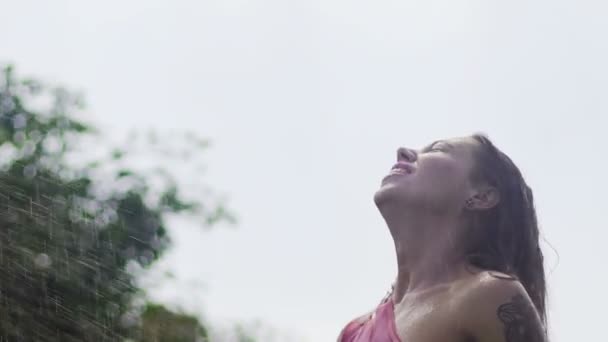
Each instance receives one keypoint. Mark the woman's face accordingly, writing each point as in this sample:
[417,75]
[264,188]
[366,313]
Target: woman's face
[436,177]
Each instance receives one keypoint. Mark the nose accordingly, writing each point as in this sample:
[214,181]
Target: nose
[406,154]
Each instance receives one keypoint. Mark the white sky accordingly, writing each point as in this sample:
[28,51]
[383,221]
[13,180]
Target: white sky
[306,103]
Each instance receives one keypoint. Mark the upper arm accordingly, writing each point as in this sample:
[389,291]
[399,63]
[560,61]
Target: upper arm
[500,310]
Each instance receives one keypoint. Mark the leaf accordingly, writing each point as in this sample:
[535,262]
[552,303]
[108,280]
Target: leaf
[117,154]
[124,173]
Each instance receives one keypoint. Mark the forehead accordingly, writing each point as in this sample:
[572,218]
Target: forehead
[462,142]
[463,146]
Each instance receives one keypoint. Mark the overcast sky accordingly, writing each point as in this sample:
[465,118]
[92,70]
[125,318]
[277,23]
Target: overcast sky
[306,102]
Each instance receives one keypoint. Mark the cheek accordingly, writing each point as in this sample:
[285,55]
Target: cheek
[443,177]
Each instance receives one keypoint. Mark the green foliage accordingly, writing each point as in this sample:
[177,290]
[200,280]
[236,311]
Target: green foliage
[162,325]
[64,249]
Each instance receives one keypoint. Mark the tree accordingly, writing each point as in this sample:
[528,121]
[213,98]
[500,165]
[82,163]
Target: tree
[64,244]
[162,325]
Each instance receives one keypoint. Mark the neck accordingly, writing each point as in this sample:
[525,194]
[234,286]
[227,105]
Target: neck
[427,249]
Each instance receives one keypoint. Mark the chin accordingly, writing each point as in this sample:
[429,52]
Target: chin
[388,192]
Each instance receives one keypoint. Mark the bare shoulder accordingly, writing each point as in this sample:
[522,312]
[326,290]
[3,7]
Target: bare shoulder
[487,285]
[486,289]
[496,307]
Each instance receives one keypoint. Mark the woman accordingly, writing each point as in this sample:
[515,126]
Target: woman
[466,238]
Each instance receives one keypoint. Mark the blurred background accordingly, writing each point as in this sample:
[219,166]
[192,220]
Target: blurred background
[191,170]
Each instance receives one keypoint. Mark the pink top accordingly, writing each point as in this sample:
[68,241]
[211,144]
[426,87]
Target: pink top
[379,327]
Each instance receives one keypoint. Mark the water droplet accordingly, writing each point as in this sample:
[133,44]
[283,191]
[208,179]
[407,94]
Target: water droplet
[19,137]
[19,121]
[43,261]
[29,171]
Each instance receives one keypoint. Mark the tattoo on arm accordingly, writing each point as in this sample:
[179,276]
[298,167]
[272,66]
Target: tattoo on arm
[520,321]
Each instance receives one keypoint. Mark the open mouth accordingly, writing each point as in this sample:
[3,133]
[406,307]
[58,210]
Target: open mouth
[402,168]
[398,171]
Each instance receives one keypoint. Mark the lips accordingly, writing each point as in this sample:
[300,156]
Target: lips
[402,168]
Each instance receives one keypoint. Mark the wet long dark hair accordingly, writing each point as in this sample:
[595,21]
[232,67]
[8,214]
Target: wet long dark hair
[507,234]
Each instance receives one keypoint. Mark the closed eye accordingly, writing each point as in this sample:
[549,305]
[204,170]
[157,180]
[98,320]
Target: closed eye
[436,149]
[437,146]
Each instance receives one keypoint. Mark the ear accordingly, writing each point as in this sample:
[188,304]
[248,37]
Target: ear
[483,198]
